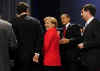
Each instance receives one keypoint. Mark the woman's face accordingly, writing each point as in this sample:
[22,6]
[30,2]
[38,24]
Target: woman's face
[48,24]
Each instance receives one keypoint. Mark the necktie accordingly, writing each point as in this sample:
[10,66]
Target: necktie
[64,31]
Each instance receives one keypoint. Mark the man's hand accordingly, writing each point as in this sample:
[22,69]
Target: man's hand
[64,41]
[36,58]
[81,45]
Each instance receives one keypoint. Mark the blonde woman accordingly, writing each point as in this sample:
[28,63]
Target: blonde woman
[51,61]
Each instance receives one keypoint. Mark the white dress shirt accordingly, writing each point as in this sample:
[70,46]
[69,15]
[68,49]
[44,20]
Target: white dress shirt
[67,25]
[89,20]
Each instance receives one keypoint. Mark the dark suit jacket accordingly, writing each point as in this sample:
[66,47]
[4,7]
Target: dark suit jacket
[7,41]
[70,50]
[28,33]
[91,52]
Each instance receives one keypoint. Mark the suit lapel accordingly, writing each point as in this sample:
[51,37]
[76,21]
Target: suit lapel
[89,25]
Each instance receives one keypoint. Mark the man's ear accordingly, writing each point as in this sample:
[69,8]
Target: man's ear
[86,13]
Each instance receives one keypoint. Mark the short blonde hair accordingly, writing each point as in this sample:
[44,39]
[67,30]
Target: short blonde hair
[51,19]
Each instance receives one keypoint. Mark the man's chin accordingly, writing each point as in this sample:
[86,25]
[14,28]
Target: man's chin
[63,23]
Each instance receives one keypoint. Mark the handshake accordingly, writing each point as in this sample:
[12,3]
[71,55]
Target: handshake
[36,58]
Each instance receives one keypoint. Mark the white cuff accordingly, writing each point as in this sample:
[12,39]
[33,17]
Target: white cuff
[37,54]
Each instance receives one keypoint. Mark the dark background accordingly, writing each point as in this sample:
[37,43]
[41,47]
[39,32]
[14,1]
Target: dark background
[43,8]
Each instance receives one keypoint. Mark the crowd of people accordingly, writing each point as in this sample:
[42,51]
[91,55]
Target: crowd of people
[23,46]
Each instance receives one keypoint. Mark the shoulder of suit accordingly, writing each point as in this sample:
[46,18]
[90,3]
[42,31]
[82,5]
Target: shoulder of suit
[96,23]
[32,18]
[5,22]
[75,25]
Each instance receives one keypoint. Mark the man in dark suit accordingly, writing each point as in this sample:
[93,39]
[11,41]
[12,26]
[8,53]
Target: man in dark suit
[90,47]
[7,42]
[71,36]
[28,33]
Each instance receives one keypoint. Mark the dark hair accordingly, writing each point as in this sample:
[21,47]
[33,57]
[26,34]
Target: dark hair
[91,8]
[21,7]
[67,15]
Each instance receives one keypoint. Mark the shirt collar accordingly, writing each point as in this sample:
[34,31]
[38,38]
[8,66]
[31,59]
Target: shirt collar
[68,25]
[89,20]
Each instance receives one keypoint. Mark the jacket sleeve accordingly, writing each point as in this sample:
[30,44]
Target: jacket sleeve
[12,42]
[76,35]
[38,40]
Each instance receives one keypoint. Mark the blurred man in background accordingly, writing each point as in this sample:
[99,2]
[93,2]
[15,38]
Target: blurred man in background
[7,43]
[28,33]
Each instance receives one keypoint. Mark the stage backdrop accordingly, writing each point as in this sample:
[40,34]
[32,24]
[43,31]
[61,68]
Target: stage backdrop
[7,9]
